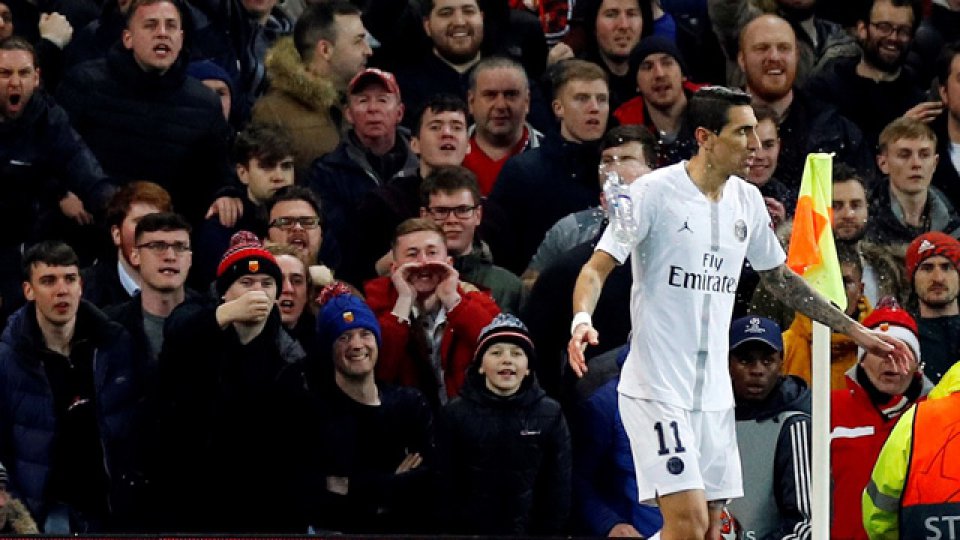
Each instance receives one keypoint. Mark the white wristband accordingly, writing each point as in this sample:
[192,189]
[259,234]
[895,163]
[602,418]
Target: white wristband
[581,317]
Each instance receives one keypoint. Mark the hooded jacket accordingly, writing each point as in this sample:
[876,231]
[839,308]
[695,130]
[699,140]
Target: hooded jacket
[776,487]
[306,105]
[505,461]
[28,421]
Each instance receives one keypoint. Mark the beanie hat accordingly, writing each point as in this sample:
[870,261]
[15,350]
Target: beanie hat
[929,244]
[505,327]
[204,70]
[246,256]
[888,317]
[656,44]
[341,313]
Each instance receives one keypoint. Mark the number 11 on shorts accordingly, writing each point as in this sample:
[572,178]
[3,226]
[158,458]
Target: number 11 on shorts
[658,427]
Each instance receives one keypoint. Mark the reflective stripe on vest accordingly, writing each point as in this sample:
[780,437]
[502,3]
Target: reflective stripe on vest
[930,506]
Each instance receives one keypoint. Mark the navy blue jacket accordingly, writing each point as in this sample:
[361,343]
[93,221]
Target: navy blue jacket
[604,476]
[41,158]
[28,425]
[167,128]
[533,191]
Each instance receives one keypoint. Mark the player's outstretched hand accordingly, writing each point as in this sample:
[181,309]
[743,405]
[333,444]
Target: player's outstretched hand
[583,335]
[885,346]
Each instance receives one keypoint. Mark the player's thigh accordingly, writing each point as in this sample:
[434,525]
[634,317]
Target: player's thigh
[663,445]
[719,454]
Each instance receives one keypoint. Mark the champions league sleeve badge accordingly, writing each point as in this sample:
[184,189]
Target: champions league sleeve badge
[740,230]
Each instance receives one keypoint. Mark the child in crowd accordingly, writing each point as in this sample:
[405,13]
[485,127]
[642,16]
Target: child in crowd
[504,445]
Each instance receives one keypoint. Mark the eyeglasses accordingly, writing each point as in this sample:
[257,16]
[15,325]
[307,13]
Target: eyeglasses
[287,223]
[461,212]
[160,247]
[884,29]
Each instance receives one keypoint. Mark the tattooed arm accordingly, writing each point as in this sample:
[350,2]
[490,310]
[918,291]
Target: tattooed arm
[797,294]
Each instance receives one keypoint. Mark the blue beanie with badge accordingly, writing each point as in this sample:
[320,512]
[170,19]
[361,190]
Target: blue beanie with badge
[342,313]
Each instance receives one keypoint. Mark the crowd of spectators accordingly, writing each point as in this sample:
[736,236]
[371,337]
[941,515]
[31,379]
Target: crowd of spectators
[279,266]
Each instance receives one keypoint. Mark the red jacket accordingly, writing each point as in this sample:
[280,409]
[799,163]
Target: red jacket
[401,363]
[858,430]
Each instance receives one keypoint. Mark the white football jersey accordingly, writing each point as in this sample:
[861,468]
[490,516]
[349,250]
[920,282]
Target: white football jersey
[686,265]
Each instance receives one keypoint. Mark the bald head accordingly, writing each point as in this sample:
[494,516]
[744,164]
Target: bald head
[768,57]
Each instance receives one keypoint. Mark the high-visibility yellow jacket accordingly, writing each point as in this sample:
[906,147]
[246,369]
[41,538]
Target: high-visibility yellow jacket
[925,442]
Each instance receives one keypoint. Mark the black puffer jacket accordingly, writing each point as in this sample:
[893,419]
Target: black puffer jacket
[505,461]
[166,128]
[41,158]
[28,421]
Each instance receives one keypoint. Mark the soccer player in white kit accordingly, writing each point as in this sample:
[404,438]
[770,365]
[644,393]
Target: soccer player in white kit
[696,222]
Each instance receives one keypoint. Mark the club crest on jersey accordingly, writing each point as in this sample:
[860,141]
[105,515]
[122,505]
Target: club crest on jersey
[740,230]
[253,266]
[674,465]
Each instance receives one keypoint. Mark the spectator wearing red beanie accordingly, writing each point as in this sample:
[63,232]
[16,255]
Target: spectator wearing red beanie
[931,263]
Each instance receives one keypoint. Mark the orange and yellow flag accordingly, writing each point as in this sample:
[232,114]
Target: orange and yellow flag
[812,252]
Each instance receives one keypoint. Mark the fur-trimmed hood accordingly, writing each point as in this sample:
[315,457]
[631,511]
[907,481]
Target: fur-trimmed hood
[288,74]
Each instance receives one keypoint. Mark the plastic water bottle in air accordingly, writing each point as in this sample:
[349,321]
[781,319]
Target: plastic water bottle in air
[620,209]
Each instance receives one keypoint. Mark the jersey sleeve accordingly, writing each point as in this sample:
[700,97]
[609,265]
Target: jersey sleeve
[764,251]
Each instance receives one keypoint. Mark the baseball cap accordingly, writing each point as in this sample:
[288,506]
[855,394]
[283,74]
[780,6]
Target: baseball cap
[753,328]
[369,75]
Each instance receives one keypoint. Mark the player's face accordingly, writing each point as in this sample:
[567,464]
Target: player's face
[852,285]
[18,80]
[251,282]
[950,89]
[56,292]
[768,153]
[6,21]
[442,139]
[456,29]
[754,370]
[768,58]
[123,235]
[458,231]
[850,210]
[355,353]
[374,111]
[582,108]
[734,148]
[161,266]
[306,240]
[619,24]
[660,81]
[421,247]
[500,103]
[263,179]
[885,376]
[937,282]
[910,164]
[886,37]
[155,35]
[627,160]
[222,91]
[504,365]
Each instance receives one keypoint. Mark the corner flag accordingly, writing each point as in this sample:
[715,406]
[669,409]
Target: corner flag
[812,252]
